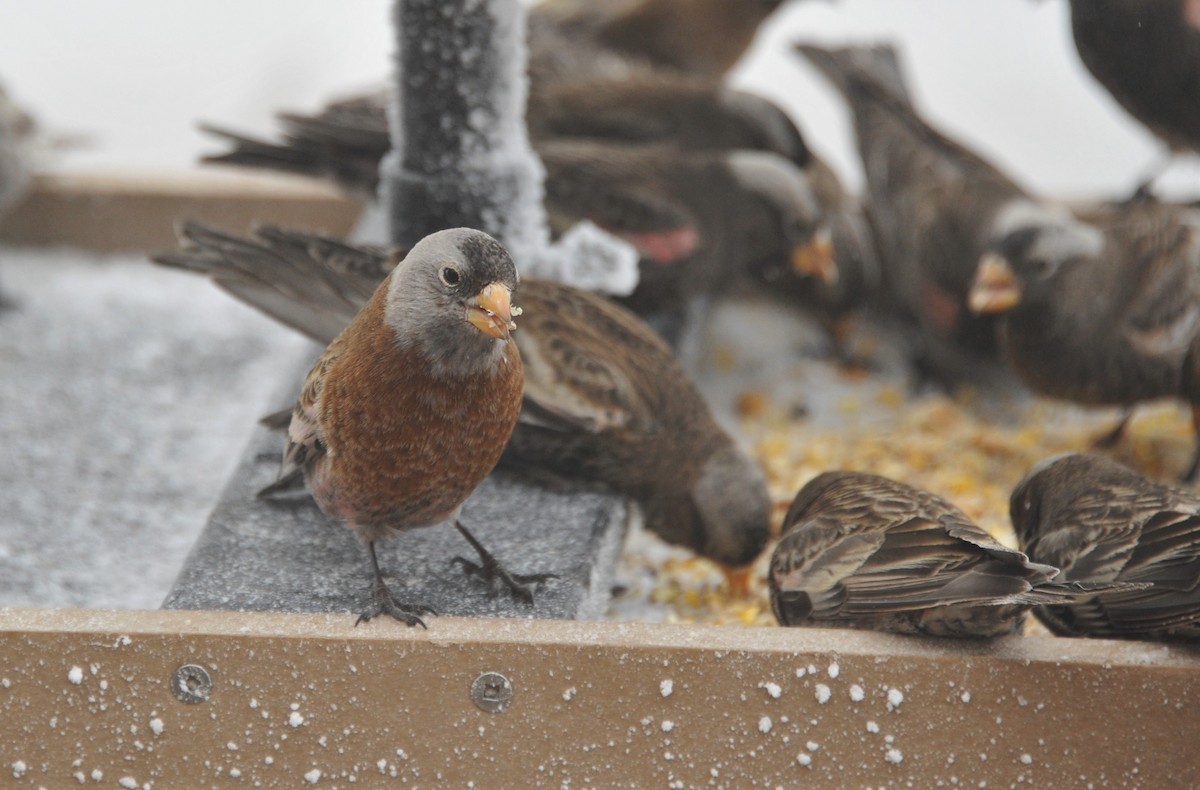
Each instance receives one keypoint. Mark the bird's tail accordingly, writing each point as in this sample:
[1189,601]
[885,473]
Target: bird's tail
[312,283]
[1055,593]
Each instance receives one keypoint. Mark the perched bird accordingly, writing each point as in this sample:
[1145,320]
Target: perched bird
[1101,522]
[1146,53]
[604,397]
[863,551]
[832,283]
[1113,321]
[346,140]
[935,205]
[699,220]
[701,38]
[412,403]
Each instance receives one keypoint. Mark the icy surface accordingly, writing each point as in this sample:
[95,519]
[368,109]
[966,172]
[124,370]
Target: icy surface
[128,391]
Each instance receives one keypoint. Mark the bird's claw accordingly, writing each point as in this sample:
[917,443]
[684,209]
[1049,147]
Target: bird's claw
[491,571]
[382,602]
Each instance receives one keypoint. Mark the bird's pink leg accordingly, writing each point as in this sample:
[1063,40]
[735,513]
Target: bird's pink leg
[492,571]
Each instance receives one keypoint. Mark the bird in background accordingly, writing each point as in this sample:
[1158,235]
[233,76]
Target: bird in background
[699,220]
[700,38]
[1112,321]
[1146,54]
[604,396]
[863,551]
[1103,523]
[412,403]
[934,204]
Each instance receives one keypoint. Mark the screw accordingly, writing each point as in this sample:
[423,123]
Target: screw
[492,692]
[191,684]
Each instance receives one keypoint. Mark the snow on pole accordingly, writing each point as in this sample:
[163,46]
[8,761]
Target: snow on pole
[460,152]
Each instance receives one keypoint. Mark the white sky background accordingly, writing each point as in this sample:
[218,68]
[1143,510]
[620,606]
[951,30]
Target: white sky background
[136,75]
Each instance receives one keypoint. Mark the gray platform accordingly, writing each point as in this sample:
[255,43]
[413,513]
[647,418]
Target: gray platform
[285,555]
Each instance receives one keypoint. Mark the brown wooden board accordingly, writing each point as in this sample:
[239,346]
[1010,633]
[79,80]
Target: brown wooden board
[310,698]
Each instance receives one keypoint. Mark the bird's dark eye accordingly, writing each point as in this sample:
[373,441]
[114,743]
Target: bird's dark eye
[1043,267]
[450,276]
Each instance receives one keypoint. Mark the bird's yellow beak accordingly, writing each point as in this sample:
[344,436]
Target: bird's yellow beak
[491,312]
[815,257]
[995,288]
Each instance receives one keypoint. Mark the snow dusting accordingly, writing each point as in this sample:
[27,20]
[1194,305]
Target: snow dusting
[823,693]
[894,756]
[834,670]
[19,768]
[668,725]
[965,696]
[765,724]
[773,689]
[296,719]
[856,693]
[872,727]
[569,694]
[313,776]
[666,687]
[128,782]
[156,726]
[75,675]
[894,698]
[804,758]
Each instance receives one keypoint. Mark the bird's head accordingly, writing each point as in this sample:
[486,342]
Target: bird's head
[452,296]
[1020,265]
[796,220]
[732,505]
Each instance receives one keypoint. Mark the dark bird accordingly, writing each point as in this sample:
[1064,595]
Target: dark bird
[1102,523]
[863,551]
[1114,321]
[412,403]
[346,140]
[1146,54]
[700,221]
[935,204]
[604,397]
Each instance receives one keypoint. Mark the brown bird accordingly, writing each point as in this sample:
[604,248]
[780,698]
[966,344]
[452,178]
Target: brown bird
[604,397]
[934,203]
[1113,322]
[863,551]
[699,220]
[832,283]
[1102,523]
[346,140]
[1146,54]
[701,38]
[412,403]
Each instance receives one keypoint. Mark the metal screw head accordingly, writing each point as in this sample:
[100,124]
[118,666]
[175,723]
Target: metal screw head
[492,692]
[191,684]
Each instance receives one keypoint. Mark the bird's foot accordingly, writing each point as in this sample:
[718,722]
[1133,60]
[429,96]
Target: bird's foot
[382,602]
[520,585]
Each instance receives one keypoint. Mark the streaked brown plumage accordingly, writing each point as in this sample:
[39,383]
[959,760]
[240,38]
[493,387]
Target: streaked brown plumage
[412,403]
[1103,523]
[604,397]
[1146,53]
[864,551]
[1116,322]
[935,204]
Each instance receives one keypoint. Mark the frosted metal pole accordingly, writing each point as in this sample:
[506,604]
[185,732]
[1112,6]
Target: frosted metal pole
[460,153]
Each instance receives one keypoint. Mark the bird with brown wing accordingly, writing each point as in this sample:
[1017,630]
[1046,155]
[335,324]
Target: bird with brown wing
[412,403]
[1115,321]
[934,203]
[863,551]
[604,397]
[1103,523]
